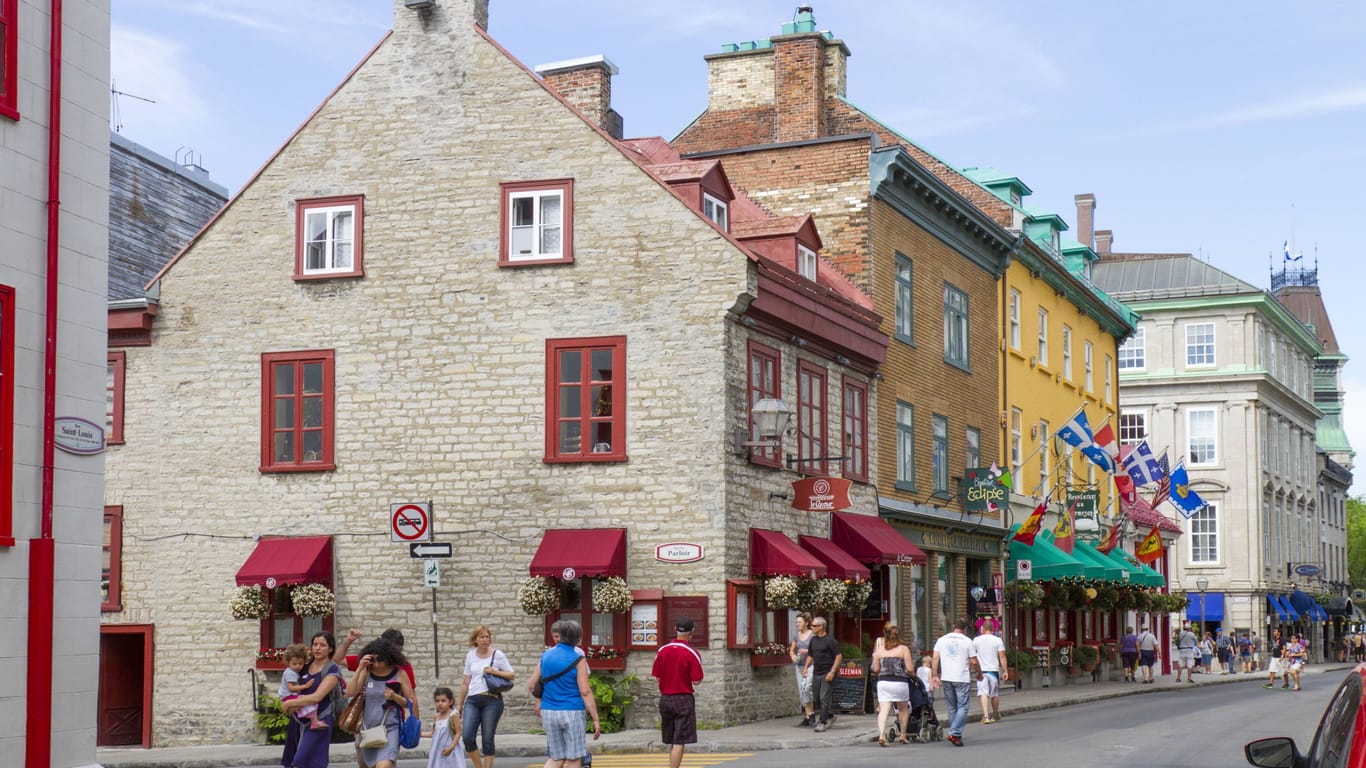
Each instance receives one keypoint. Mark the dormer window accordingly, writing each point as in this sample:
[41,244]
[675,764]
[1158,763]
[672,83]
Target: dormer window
[716,209]
[1056,239]
[806,262]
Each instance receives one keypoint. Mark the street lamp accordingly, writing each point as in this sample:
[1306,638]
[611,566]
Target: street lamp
[1202,584]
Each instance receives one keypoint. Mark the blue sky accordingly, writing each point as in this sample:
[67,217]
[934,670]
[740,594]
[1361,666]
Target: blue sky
[1199,128]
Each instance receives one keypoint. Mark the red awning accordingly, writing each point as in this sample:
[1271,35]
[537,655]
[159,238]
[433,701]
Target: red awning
[838,563]
[297,560]
[873,540]
[589,551]
[1145,517]
[773,554]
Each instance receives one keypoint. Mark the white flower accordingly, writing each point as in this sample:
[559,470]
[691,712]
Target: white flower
[312,600]
[611,595]
[247,603]
[538,596]
[856,595]
[781,592]
[830,594]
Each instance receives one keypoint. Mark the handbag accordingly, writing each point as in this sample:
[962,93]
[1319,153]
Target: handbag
[352,715]
[410,730]
[538,690]
[496,684]
[374,737]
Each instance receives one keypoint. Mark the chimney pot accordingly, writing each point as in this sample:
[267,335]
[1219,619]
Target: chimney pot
[1086,219]
[1104,241]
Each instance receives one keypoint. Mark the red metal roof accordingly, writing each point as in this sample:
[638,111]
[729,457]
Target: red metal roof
[298,560]
[838,563]
[774,554]
[1144,516]
[873,540]
[589,551]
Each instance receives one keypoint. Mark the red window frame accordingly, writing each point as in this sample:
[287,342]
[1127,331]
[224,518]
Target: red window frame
[765,377]
[7,309]
[301,209]
[584,616]
[9,58]
[735,588]
[812,409]
[269,362]
[112,573]
[114,423]
[509,188]
[616,404]
[855,420]
[298,632]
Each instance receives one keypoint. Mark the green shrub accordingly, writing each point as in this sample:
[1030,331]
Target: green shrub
[271,719]
[850,651]
[613,696]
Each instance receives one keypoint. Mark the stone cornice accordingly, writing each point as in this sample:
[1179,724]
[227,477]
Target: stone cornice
[1277,314]
[1057,277]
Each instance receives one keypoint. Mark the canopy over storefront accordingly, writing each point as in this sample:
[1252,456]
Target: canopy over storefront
[873,540]
[1046,560]
[1274,603]
[1112,571]
[296,560]
[838,563]
[774,554]
[597,552]
[1205,606]
[1139,574]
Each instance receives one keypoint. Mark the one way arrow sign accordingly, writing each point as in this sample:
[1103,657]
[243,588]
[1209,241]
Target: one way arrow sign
[430,549]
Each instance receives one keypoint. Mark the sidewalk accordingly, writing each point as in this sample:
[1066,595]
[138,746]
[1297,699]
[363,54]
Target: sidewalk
[750,737]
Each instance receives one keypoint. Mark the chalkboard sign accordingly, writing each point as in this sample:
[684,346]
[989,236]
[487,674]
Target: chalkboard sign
[851,685]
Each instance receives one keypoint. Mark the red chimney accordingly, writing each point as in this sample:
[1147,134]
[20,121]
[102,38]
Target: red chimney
[587,84]
[1086,219]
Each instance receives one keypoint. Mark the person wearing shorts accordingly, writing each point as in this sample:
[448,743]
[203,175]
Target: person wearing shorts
[1147,653]
[1277,667]
[678,668]
[1186,647]
[566,701]
[1128,654]
[991,663]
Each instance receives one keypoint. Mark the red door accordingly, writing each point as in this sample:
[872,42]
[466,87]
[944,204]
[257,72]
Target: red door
[125,686]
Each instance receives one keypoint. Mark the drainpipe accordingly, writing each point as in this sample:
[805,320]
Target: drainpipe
[41,572]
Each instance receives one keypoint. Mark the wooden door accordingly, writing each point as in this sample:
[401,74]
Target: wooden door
[125,681]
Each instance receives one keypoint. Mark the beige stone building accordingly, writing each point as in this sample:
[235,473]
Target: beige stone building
[455,306]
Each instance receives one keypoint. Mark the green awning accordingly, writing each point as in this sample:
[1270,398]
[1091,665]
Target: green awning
[1087,553]
[1048,561]
[1139,574]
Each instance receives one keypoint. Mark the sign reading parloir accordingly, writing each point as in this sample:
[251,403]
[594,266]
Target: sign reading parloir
[678,552]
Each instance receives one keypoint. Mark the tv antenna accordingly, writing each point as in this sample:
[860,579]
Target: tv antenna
[114,94]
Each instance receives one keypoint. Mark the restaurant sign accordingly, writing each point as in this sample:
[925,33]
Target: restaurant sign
[1085,506]
[981,492]
[821,494]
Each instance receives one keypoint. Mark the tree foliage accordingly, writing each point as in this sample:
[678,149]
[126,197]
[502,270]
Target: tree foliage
[1356,541]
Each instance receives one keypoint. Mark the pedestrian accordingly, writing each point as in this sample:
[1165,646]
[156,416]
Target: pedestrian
[954,655]
[352,662]
[991,662]
[445,733]
[822,660]
[797,650]
[1359,646]
[1255,643]
[892,664]
[1295,654]
[1206,648]
[386,689]
[678,668]
[320,677]
[1128,654]
[1186,650]
[1278,664]
[1245,652]
[1147,653]
[481,708]
[1223,647]
[565,698]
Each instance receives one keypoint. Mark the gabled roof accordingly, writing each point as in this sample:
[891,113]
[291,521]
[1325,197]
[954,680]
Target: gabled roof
[1306,303]
[1145,276]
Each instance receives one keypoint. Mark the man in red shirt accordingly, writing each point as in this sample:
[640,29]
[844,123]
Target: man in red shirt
[678,668]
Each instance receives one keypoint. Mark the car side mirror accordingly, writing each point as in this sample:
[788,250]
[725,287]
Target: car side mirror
[1278,752]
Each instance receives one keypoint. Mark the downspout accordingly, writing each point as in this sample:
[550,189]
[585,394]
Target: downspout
[1008,628]
[41,572]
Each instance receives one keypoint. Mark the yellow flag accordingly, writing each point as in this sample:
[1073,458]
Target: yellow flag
[1150,548]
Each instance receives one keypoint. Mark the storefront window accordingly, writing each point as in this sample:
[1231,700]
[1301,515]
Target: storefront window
[914,621]
[576,604]
[944,594]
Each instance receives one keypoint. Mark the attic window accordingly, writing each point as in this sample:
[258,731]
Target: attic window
[328,239]
[537,219]
[716,210]
[806,262]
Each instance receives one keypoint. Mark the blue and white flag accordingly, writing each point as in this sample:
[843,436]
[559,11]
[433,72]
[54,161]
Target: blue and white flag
[1183,497]
[1285,248]
[1077,432]
[1141,465]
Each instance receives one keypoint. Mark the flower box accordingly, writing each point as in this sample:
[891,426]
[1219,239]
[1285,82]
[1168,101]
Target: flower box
[607,664]
[769,660]
[270,664]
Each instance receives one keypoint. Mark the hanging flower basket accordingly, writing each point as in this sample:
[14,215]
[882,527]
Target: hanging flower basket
[538,596]
[856,594]
[830,594]
[1025,594]
[807,595]
[247,603]
[781,592]
[611,595]
[313,600]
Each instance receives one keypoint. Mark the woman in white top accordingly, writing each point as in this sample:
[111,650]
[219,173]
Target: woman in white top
[482,708]
[797,651]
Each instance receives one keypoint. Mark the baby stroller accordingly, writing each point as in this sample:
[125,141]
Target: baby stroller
[923,723]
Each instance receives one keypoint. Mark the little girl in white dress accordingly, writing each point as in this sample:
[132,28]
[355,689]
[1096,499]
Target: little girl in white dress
[445,751]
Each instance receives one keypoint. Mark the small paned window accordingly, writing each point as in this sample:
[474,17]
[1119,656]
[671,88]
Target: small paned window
[113,397]
[1205,535]
[1202,429]
[1043,337]
[1014,319]
[811,412]
[765,381]
[1067,352]
[974,448]
[955,326]
[1132,352]
[905,301]
[1089,361]
[1200,345]
[905,446]
[940,456]
[537,223]
[586,399]
[855,412]
[716,209]
[297,412]
[328,238]
[110,573]
[806,262]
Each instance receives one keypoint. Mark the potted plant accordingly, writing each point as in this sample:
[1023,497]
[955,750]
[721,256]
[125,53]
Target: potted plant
[605,657]
[247,603]
[856,596]
[1087,657]
[1025,594]
[781,592]
[769,655]
[313,600]
[611,595]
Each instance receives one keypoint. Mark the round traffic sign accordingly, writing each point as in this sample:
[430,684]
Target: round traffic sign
[410,522]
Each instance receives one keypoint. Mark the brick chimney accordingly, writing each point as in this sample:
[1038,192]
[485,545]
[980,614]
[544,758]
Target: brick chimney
[1104,239]
[587,84]
[1086,219]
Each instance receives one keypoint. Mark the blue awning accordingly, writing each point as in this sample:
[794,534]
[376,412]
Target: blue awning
[1289,609]
[1213,606]
[1319,613]
[1302,604]
[1276,607]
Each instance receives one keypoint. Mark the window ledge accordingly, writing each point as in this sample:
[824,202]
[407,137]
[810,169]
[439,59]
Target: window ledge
[964,367]
[314,277]
[289,468]
[270,665]
[908,487]
[907,340]
[592,458]
[769,661]
[608,664]
[539,262]
[7,111]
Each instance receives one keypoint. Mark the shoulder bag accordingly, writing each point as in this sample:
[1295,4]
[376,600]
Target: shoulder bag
[497,684]
[539,689]
[352,714]
[410,730]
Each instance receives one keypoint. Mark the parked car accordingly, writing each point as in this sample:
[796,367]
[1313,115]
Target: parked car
[1340,741]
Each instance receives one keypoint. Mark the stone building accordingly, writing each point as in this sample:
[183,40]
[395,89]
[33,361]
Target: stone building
[54,172]
[405,330]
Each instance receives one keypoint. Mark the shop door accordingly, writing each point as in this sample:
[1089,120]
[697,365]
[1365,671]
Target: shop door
[123,689]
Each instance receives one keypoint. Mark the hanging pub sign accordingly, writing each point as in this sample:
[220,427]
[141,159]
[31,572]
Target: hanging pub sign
[981,492]
[1086,506]
[821,494]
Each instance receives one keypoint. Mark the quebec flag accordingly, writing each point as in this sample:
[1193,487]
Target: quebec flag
[1142,467]
[1077,432]
[1183,497]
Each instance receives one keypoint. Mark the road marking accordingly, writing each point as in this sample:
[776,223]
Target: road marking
[660,760]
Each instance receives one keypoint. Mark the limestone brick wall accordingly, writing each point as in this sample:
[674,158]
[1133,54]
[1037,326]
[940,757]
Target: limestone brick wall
[740,80]
[440,383]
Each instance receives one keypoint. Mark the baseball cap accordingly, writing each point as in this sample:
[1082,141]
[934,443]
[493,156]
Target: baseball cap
[684,624]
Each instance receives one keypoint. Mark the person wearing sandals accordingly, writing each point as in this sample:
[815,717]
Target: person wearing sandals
[379,678]
[892,663]
[481,708]
[319,677]
[798,649]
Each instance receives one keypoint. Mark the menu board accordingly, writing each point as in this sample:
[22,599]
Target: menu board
[645,625]
[851,683]
[695,608]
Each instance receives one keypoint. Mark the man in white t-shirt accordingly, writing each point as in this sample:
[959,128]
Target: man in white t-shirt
[991,660]
[1147,653]
[954,655]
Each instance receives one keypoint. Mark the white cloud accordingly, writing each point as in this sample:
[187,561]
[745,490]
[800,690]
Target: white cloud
[1287,107]
[158,68]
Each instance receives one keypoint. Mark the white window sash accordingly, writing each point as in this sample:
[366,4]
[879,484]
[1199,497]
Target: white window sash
[533,233]
[338,238]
